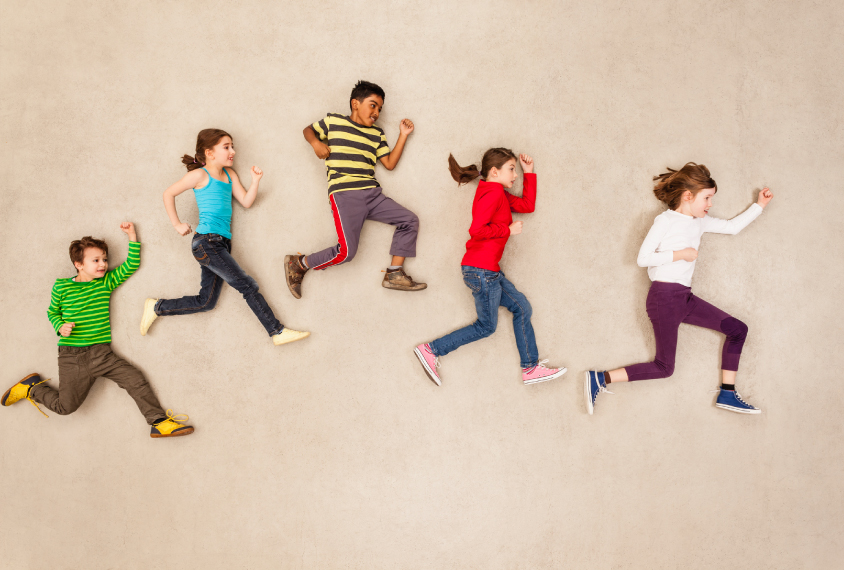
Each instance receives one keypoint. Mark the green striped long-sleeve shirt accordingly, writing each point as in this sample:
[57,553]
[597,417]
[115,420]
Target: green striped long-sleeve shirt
[86,304]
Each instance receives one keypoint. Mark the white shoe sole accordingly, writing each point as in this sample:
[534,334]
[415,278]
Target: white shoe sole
[431,374]
[559,373]
[587,391]
[149,315]
[292,337]
[737,410]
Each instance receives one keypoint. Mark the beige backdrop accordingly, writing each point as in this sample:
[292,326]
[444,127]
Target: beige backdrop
[338,452]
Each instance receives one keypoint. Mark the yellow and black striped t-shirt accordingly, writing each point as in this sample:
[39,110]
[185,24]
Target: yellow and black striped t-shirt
[86,304]
[354,150]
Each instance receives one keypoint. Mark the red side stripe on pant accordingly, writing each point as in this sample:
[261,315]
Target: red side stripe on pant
[341,238]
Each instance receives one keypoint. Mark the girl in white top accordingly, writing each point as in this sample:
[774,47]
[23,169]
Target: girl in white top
[670,253]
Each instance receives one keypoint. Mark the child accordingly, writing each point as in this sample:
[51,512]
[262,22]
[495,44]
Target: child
[492,225]
[214,182]
[350,145]
[669,252]
[79,311]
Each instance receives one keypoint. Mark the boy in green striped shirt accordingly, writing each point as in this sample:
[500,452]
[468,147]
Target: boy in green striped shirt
[79,312]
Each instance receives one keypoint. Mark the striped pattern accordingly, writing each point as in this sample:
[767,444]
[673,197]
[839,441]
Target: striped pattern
[86,304]
[354,150]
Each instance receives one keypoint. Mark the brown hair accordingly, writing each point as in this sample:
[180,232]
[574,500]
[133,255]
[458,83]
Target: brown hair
[493,158]
[78,247]
[670,186]
[205,140]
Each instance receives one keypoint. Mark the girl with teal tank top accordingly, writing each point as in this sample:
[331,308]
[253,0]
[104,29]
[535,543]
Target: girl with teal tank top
[211,245]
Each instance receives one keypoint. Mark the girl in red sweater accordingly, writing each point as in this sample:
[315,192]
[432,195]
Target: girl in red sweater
[492,226]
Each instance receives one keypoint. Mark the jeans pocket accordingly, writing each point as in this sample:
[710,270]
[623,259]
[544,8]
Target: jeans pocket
[200,255]
[472,281]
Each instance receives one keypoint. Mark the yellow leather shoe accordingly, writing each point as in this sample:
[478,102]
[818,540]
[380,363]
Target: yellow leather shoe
[289,335]
[171,427]
[21,390]
[149,315]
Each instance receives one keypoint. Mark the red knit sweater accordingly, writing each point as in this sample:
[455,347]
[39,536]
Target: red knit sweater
[491,219]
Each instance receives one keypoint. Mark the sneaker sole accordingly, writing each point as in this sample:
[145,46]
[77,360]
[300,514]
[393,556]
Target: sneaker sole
[431,374]
[403,288]
[293,339]
[737,410]
[559,373]
[174,434]
[9,391]
[587,391]
[288,259]
[146,319]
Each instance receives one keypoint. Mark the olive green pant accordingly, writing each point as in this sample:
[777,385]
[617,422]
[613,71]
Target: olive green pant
[79,368]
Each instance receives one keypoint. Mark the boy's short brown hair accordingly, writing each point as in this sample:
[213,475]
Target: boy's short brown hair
[78,247]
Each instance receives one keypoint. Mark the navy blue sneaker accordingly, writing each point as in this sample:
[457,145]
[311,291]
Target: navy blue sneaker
[594,385]
[731,400]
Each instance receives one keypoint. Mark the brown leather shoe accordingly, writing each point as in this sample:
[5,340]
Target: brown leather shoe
[401,281]
[294,272]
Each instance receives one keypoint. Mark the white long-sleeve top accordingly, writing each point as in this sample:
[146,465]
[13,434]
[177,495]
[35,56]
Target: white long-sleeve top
[673,231]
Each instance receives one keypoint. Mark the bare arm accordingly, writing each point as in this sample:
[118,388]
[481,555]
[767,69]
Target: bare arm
[190,180]
[241,194]
[320,148]
[391,160]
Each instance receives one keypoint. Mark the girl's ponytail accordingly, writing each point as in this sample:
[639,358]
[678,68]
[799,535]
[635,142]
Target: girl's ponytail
[205,140]
[493,158]
[192,162]
[670,186]
[460,174]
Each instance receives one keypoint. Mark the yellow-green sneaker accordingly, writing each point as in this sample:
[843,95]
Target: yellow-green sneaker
[21,390]
[149,315]
[289,335]
[171,427]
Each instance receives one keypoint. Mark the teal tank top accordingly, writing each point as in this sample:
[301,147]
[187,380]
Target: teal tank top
[214,201]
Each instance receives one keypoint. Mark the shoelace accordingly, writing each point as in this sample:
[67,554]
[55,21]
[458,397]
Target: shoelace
[738,397]
[31,401]
[539,364]
[436,358]
[171,417]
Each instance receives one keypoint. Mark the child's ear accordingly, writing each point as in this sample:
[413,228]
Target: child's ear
[78,266]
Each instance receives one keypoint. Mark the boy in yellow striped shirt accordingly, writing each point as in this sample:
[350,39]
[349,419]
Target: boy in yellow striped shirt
[350,146]
[79,312]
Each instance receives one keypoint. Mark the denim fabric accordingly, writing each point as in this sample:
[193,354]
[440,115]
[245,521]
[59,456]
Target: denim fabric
[213,253]
[492,290]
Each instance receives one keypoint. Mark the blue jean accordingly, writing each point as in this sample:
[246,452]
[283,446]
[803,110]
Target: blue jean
[213,253]
[492,290]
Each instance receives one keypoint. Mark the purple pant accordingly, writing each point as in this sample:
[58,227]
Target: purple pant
[670,304]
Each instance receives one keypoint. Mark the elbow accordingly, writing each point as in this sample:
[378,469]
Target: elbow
[642,261]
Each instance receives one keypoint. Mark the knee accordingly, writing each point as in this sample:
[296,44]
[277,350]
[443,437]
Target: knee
[247,286]
[413,223]
[666,369]
[208,301]
[484,329]
[67,409]
[735,330]
[525,309]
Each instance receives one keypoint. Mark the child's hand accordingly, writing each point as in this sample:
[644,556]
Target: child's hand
[765,196]
[321,149]
[527,163]
[515,228]
[405,127]
[257,173]
[129,229]
[183,229]
[689,254]
[66,329]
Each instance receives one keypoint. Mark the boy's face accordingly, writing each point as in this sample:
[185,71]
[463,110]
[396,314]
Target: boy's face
[94,264]
[366,112]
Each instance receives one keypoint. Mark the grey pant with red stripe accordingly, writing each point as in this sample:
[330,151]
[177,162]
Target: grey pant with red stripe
[351,208]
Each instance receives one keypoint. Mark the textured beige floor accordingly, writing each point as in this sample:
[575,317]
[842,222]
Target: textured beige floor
[337,452]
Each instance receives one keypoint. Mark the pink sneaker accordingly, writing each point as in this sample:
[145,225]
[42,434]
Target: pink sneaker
[539,373]
[429,362]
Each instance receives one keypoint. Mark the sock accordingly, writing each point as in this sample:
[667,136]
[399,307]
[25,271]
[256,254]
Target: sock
[607,379]
[731,387]
[394,267]
[303,261]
